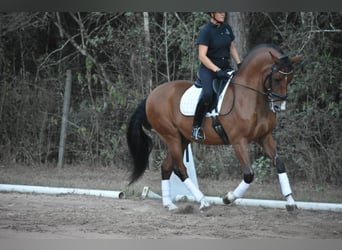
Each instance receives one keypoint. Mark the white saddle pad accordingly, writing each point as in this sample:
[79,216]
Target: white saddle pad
[190,98]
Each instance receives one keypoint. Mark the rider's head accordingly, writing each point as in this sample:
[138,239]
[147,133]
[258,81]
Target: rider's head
[217,17]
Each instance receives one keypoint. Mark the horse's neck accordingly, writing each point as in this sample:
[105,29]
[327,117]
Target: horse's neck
[249,86]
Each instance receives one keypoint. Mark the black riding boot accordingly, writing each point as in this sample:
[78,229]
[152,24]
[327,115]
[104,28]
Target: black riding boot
[197,131]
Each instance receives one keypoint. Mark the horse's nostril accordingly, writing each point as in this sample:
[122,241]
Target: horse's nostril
[277,108]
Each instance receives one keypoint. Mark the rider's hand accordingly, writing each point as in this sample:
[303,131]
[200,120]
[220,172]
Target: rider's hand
[222,74]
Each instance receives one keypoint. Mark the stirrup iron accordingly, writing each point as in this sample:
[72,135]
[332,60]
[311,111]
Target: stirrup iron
[198,133]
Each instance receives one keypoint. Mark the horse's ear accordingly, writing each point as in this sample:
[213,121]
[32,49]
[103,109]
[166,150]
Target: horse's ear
[274,58]
[296,58]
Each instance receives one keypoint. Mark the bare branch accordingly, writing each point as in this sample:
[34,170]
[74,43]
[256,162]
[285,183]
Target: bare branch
[326,31]
[82,48]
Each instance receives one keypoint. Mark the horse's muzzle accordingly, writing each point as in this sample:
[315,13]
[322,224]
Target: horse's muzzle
[277,107]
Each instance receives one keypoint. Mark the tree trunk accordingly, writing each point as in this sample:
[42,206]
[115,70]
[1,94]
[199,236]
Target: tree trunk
[166,42]
[147,48]
[239,21]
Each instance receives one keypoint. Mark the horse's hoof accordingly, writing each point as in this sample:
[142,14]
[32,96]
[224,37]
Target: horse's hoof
[229,198]
[205,205]
[171,207]
[226,200]
[291,208]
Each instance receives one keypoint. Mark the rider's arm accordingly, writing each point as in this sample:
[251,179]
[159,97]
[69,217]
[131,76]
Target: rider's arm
[234,53]
[202,56]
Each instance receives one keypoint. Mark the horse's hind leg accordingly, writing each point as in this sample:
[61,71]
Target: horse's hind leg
[181,172]
[168,166]
[166,171]
[175,160]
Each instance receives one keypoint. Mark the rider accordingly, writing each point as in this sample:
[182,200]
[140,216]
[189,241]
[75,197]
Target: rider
[215,45]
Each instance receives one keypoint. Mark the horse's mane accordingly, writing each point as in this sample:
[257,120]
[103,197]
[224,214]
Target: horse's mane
[263,45]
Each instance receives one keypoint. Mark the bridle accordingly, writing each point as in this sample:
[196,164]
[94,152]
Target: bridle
[272,96]
[269,90]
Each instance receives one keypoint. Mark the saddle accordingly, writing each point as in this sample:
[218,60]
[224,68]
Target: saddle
[190,98]
[218,86]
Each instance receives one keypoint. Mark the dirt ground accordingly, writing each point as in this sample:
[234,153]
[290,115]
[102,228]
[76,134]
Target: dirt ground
[31,216]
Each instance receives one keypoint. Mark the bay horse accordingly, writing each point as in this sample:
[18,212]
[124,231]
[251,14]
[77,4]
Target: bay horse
[258,90]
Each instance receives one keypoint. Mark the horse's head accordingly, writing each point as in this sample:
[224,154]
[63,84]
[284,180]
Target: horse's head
[279,77]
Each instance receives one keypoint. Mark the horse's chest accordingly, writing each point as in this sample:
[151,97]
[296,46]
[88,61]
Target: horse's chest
[263,126]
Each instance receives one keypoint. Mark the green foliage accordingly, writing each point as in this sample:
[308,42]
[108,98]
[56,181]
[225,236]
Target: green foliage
[186,32]
[117,94]
[215,161]
[262,169]
[322,87]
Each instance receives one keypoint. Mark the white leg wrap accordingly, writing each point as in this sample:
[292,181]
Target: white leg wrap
[193,189]
[241,189]
[165,185]
[290,200]
[284,184]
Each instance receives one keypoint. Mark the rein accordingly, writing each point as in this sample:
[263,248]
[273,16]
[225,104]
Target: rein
[250,88]
[269,91]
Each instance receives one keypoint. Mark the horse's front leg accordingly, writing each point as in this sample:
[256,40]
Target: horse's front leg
[242,154]
[269,146]
[284,183]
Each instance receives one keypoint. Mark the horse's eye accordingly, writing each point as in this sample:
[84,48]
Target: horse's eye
[277,80]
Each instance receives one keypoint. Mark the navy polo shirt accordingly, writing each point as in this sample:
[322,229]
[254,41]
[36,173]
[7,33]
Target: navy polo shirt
[218,39]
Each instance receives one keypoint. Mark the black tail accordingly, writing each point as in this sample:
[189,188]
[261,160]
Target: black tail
[139,143]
